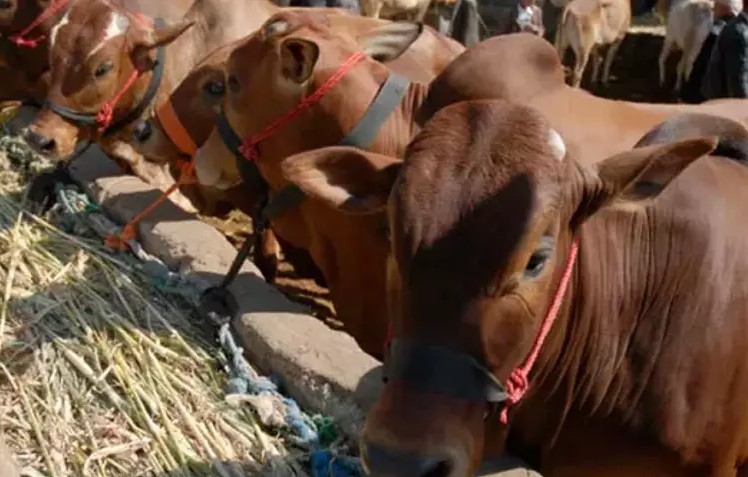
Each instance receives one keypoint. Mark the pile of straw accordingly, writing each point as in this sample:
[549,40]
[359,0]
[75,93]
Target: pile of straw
[102,375]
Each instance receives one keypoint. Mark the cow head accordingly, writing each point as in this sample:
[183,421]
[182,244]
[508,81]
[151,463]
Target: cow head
[95,49]
[482,215]
[194,103]
[271,71]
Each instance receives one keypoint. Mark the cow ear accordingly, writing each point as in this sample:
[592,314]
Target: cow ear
[388,42]
[165,35]
[298,58]
[637,175]
[156,38]
[346,178]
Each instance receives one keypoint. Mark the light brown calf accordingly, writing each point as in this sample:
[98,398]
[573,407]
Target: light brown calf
[587,26]
[105,56]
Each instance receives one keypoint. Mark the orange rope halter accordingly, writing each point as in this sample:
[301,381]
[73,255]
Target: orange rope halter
[120,242]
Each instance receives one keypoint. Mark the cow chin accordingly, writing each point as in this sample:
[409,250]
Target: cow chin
[215,166]
[417,435]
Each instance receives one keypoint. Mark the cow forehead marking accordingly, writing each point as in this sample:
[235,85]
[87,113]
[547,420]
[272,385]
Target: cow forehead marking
[557,144]
[118,24]
[53,34]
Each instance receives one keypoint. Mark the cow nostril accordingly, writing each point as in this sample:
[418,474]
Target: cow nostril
[43,144]
[391,462]
[440,469]
[143,131]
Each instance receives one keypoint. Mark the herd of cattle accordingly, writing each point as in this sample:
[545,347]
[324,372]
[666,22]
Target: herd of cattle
[527,240]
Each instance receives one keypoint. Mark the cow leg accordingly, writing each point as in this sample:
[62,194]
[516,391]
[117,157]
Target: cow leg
[580,63]
[688,58]
[612,51]
[421,10]
[596,60]
[667,47]
[679,72]
[267,256]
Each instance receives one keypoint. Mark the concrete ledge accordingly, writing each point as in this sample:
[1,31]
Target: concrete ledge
[320,367]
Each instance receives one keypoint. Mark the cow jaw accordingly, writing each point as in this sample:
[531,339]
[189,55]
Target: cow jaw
[215,166]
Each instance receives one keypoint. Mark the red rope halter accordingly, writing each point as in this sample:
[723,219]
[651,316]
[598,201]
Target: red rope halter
[249,146]
[106,113]
[518,382]
[19,39]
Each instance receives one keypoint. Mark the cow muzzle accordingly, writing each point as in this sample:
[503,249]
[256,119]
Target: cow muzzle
[41,143]
[380,461]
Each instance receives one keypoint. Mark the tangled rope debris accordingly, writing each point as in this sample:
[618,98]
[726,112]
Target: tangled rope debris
[77,214]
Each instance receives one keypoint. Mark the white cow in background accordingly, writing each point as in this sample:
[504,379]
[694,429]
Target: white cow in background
[688,24]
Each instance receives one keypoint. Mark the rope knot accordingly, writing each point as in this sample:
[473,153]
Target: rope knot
[249,151]
[119,242]
[186,172]
[104,117]
[23,42]
[516,388]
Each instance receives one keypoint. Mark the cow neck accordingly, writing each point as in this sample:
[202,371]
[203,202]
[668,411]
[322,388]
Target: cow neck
[21,39]
[103,120]
[386,100]
[602,325]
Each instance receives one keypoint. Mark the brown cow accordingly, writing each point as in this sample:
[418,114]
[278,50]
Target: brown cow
[350,251]
[589,25]
[24,54]
[640,368]
[105,55]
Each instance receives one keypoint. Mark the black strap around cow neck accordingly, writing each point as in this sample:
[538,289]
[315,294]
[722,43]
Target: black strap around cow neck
[362,135]
[89,119]
[439,370]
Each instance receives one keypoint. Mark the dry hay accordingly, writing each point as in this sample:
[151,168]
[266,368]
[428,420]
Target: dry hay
[101,374]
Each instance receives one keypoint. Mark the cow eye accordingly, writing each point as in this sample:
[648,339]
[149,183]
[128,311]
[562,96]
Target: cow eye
[539,258]
[214,89]
[537,262]
[103,69]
